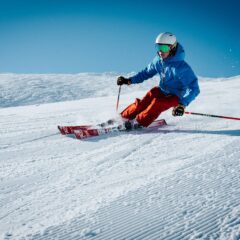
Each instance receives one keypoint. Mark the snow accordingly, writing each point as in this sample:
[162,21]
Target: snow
[178,182]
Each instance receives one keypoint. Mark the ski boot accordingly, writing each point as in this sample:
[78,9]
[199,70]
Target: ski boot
[132,124]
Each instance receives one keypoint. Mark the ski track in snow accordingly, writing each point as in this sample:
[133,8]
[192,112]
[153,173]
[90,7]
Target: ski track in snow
[179,182]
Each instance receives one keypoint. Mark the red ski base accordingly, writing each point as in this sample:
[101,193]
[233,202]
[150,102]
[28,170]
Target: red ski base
[81,133]
[64,130]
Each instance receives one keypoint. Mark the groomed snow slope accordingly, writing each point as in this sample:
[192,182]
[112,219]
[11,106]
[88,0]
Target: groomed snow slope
[178,182]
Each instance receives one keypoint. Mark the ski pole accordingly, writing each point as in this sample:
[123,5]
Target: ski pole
[210,115]
[119,91]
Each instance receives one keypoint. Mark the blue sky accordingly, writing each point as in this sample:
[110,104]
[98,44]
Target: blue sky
[58,36]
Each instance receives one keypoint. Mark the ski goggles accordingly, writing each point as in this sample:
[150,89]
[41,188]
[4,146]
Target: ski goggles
[162,48]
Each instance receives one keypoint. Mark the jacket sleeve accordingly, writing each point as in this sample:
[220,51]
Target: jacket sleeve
[145,74]
[190,87]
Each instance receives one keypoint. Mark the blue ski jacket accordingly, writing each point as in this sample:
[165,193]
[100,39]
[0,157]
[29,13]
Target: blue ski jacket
[176,76]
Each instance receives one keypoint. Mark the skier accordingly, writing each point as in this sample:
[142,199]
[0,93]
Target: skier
[178,84]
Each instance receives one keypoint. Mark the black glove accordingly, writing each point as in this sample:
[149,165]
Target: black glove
[122,80]
[179,110]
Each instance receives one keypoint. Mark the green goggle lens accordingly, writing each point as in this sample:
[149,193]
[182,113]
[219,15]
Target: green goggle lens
[162,48]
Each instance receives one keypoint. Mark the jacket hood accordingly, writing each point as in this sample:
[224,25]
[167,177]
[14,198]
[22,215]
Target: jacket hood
[179,55]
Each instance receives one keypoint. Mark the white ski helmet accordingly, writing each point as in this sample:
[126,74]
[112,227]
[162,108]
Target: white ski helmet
[166,38]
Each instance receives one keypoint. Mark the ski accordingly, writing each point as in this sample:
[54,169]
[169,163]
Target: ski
[64,130]
[93,132]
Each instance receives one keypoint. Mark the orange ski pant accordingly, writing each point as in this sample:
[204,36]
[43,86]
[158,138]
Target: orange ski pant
[148,109]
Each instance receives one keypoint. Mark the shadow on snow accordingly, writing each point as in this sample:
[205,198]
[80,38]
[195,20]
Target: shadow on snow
[166,131]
